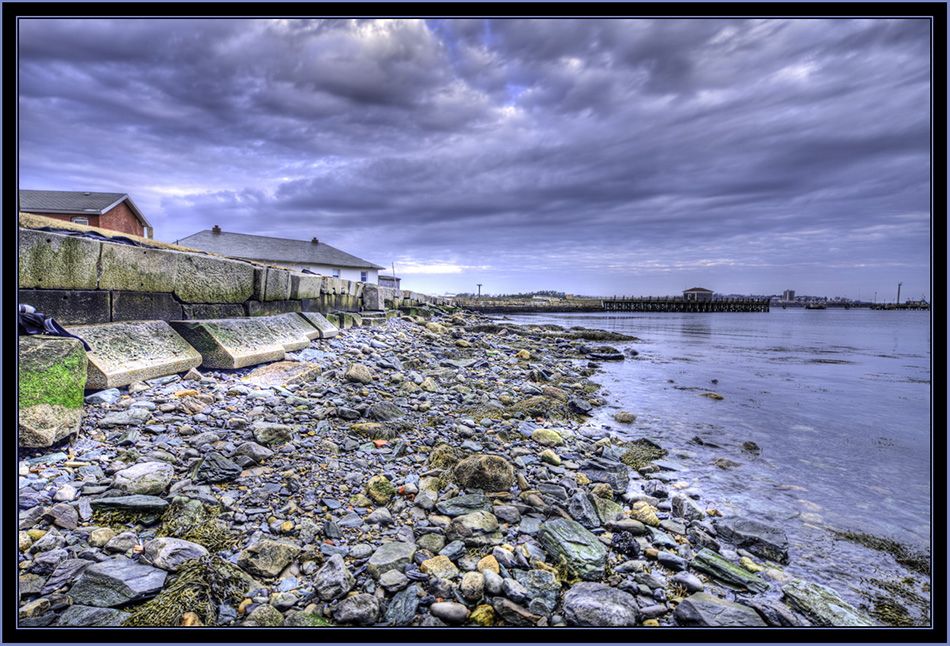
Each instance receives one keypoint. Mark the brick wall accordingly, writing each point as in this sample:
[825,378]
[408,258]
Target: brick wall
[121,219]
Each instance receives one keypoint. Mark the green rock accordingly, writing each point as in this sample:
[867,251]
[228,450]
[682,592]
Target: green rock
[727,572]
[582,551]
[380,490]
[51,378]
[822,605]
[486,472]
[547,437]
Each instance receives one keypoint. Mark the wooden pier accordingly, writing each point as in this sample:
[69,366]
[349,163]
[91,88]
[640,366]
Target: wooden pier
[666,304]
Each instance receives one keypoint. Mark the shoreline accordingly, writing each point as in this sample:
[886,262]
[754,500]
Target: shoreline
[338,497]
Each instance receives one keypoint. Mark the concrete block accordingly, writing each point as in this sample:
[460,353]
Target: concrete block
[55,261]
[231,343]
[70,307]
[323,326]
[204,311]
[138,269]
[303,286]
[373,319]
[291,331]
[271,284]
[258,308]
[51,380]
[344,320]
[334,285]
[121,353]
[145,306]
[209,279]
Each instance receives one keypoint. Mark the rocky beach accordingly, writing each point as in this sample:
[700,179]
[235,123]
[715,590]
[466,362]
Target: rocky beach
[427,471]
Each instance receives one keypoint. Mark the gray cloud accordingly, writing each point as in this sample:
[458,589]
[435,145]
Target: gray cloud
[529,154]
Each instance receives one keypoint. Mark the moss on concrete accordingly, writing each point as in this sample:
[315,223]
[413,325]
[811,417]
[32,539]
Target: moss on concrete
[51,371]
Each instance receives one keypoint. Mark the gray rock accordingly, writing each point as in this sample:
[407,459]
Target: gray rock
[595,604]
[686,508]
[360,609]
[542,589]
[254,451]
[762,540]
[581,549]
[145,478]
[394,555]
[402,609]
[270,433]
[130,417]
[466,504]
[494,584]
[450,612]
[63,515]
[136,503]
[109,396]
[66,572]
[333,580]
[582,510]
[703,609]
[78,615]
[170,553]
[513,613]
[117,582]
[691,582]
[267,558]
[121,543]
[214,468]
[479,529]
[614,473]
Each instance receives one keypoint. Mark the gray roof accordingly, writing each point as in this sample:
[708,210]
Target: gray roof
[250,247]
[75,203]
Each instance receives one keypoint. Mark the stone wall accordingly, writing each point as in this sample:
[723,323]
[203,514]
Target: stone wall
[81,281]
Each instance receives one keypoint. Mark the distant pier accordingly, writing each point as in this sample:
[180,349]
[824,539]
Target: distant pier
[665,304]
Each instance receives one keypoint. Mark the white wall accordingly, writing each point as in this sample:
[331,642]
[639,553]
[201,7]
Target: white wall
[346,273]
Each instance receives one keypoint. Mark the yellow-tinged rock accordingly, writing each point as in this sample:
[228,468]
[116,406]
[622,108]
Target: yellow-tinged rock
[25,542]
[523,354]
[652,623]
[242,608]
[750,565]
[189,392]
[287,526]
[36,534]
[581,480]
[483,615]
[645,513]
[190,619]
[488,563]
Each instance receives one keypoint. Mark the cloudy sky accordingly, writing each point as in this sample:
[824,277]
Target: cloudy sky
[640,156]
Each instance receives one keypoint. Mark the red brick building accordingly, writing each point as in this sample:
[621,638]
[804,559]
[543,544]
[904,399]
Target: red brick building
[112,211]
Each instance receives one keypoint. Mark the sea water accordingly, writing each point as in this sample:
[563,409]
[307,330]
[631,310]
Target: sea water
[837,401]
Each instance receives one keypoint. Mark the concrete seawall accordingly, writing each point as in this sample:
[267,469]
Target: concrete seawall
[83,281]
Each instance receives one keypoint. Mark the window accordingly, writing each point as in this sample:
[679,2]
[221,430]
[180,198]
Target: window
[362,276]
[80,220]
[336,273]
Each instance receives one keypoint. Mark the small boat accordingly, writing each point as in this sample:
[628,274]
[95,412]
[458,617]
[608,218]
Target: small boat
[815,306]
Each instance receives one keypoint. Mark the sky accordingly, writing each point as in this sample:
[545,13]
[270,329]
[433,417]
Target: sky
[593,157]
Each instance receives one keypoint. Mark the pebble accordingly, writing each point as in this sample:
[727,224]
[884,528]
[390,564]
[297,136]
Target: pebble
[413,468]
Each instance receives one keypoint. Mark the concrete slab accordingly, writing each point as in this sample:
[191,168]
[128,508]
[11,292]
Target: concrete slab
[231,343]
[137,269]
[55,261]
[306,286]
[70,307]
[324,327]
[210,279]
[121,353]
[291,331]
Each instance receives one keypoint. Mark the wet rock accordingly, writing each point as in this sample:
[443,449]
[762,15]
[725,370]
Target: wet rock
[80,615]
[138,504]
[450,612]
[214,468]
[719,568]
[543,590]
[582,550]
[822,605]
[613,472]
[703,609]
[402,608]
[479,529]
[762,540]
[394,555]
[595,604]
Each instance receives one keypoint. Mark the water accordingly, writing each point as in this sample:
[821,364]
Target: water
[838,401]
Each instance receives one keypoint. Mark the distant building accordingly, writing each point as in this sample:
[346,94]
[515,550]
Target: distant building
[788,295]
[112,211]
[314,256]
[389,281]
[698,294]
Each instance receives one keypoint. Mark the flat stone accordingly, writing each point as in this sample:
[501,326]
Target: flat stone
[394,555]
[135,503]
[703,609]
[170,553]
[727,572]
[614,473]
[324,327]
[402,608]
[581,549]
[214,468]
[123,353]
[598,605]
[79,615]
[822,605]
[478,529]
[465,504]
[117,582]
[146,478]
[283,373]
[762,540]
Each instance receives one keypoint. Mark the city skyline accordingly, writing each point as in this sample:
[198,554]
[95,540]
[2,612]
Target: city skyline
[588,156]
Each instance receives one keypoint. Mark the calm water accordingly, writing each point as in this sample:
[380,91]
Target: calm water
[839,402]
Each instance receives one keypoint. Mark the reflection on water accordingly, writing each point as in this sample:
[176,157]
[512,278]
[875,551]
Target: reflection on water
[838,401]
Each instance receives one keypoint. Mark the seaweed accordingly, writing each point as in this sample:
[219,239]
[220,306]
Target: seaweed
[201,585]
[192,521]
[913,560]
[641,453]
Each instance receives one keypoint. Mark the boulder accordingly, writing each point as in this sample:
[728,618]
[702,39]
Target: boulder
[584,553]
[822,605]
[268,558]
[51,378]
[333,580]
[117,582]
[487,472]
[146,478]
[598,605]
[703,609]
[762,540]
[170,553]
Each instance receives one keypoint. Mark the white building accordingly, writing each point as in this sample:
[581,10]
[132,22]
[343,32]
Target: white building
[314,256]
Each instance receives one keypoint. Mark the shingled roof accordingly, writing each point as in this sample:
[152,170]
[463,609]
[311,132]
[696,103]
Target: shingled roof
[76,203]
[251,247]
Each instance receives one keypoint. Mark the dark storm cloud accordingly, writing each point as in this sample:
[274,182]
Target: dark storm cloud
[478,143]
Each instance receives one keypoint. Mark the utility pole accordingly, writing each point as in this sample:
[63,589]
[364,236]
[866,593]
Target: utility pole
[899,293]
[479,290]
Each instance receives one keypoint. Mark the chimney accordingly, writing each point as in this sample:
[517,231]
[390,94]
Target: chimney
[216,229]
[315,241]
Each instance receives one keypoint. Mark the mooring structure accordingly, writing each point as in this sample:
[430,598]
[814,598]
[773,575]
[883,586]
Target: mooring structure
[669,304]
